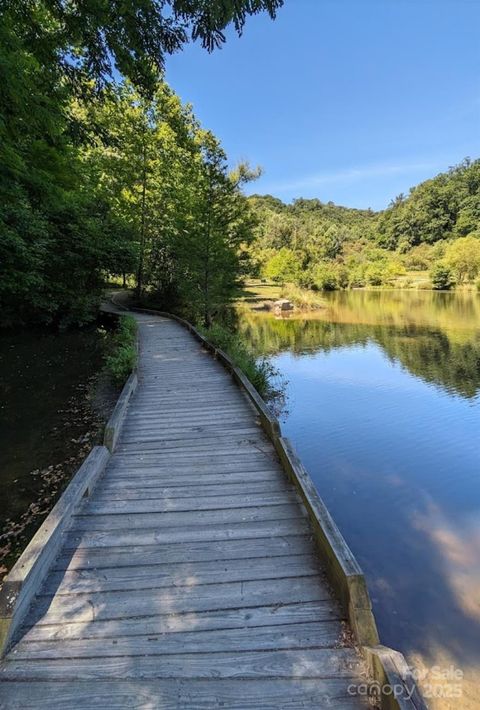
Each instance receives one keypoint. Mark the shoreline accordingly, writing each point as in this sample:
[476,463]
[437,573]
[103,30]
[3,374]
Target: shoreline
[255,301]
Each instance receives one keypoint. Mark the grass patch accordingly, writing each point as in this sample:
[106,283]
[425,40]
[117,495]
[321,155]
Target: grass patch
[259,371]
[304,299]
[122,356]
[255,291]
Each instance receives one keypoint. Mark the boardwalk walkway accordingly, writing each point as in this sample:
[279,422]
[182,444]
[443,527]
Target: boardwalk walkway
[189,578]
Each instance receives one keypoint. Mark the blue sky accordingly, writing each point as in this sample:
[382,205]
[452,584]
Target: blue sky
[353,101]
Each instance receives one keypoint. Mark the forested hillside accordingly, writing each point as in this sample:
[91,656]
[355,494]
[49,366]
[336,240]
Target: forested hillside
[102,170]
[436,228]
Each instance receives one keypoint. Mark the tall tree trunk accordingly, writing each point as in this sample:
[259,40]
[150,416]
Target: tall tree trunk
[206,274]
[141,258]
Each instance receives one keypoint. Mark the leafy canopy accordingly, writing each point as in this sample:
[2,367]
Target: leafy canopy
[95,39]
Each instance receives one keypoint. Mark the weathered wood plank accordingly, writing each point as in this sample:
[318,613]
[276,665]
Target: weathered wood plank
[159,536]
[182,552]
[192,574]
[243,450]
[240,451]
[26,577]
[236,618]
[194,695]
[243,462]
[190,412]
[190,432]
[325,634]
[163,438]
[211,413]
[153,478]
[175,491]
[226,444]
[164,521]
[150,423]
[342,566]
[187,392]
[145,602]
[305,663]
[114,425]
[171,503]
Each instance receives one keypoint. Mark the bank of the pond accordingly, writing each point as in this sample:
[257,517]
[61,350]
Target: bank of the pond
[260,295]
[55,399]
[383,407]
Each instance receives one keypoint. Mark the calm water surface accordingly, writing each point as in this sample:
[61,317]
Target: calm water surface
[384,409]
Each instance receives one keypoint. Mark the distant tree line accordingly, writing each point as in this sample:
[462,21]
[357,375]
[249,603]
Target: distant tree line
[435,229]
[102,170]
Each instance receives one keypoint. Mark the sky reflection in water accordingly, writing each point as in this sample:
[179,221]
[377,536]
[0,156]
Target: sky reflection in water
[383,406]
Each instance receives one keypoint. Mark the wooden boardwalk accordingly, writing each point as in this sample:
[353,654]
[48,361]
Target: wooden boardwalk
[189,578]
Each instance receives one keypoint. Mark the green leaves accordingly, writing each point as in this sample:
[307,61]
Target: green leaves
[446,205]
[91,41]
[283,266]
[122,356]
[324,246]
[99,179]
[185,218]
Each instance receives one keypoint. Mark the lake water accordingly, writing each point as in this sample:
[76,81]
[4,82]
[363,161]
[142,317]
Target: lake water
[383,406]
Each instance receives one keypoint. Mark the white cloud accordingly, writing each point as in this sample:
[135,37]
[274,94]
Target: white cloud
[350,175]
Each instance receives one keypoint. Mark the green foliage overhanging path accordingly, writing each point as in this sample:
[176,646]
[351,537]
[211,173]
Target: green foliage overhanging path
[101,177]
[189,577]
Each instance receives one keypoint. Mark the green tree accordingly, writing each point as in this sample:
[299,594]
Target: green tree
[463,258]
[187,216]
[283,266]
[54,228]
[434,210]
[95,180]
[441,277]
[89,40]
[325,277]
[209,254]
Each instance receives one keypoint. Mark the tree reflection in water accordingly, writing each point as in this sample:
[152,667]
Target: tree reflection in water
[384,408]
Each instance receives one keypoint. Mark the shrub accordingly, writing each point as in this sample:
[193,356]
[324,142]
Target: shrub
[303,298]
[463,258]
[375,274]
[258,371]
[122,356]
[325,277]
[419,258]
[441,276]
[342,276]
[395,268]
[357,277]
[283,266]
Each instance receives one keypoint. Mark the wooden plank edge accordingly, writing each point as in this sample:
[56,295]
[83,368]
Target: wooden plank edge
[393,682]
[115,423]
[388,668]
[342,568]
[394,685]
[26,577]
